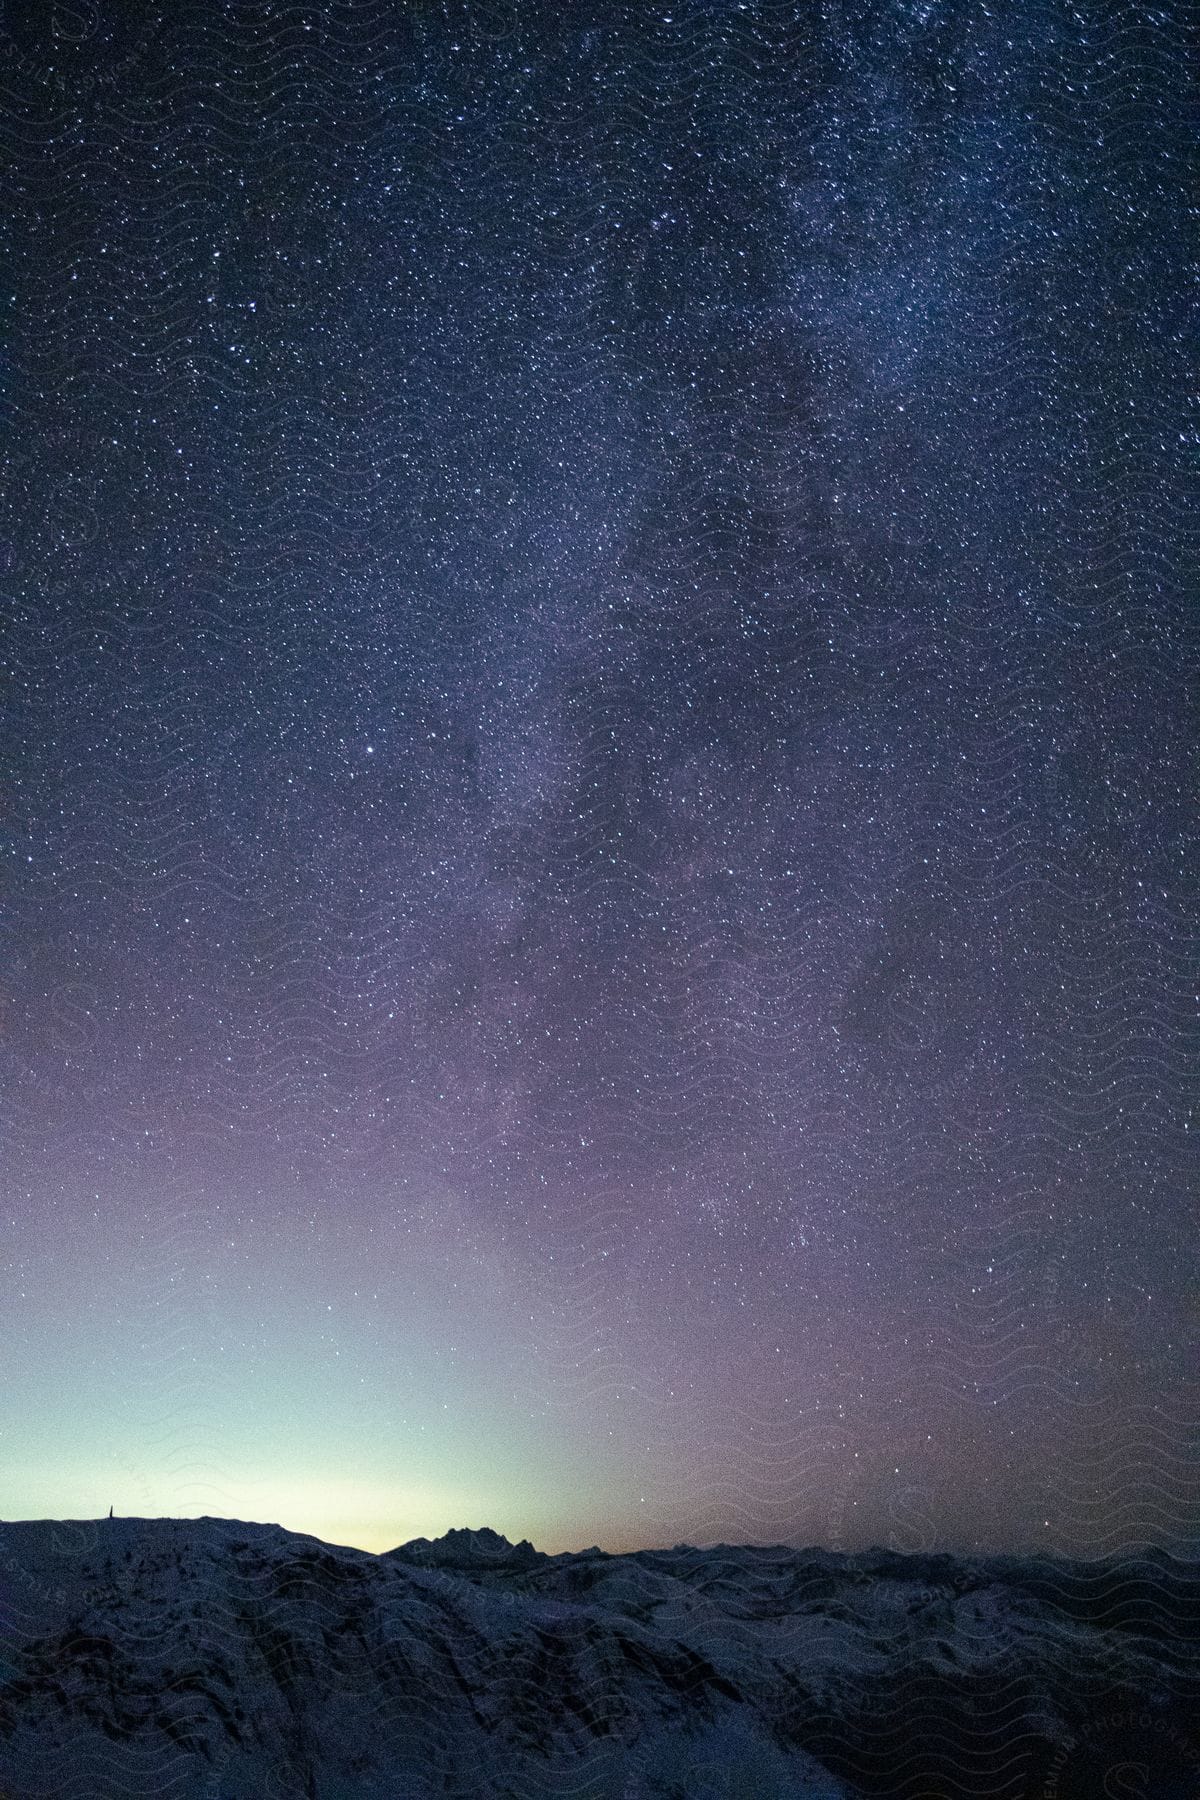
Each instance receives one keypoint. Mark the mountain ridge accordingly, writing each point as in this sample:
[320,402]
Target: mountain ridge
[229,1658]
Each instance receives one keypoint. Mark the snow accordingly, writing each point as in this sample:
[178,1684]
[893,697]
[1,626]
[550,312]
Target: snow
[223,1659]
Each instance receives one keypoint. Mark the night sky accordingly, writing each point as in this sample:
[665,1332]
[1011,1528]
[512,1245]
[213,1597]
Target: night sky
[599,841]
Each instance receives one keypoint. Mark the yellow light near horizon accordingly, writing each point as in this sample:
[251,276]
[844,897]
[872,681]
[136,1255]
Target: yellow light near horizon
[367,1515]
[364,1514]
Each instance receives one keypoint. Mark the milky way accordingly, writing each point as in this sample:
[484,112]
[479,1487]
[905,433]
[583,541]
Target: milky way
[599,855]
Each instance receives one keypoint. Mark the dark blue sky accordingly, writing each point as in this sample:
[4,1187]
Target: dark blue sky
[600,857]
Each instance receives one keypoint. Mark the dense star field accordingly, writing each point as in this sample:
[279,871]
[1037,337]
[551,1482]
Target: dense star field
[599,859]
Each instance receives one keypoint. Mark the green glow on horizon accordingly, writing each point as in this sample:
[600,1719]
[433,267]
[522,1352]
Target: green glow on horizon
[365,1400]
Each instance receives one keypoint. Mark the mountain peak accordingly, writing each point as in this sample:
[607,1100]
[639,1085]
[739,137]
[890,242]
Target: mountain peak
[466,1547]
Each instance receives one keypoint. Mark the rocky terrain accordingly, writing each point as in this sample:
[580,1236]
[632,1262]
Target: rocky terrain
[210,1658]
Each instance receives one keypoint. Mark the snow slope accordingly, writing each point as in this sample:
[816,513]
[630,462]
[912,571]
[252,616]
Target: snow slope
[227,1660]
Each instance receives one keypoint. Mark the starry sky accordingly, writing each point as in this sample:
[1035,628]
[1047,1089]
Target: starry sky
[599,852]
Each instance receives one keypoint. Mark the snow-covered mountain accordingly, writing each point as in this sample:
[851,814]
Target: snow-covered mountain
[209,1658]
